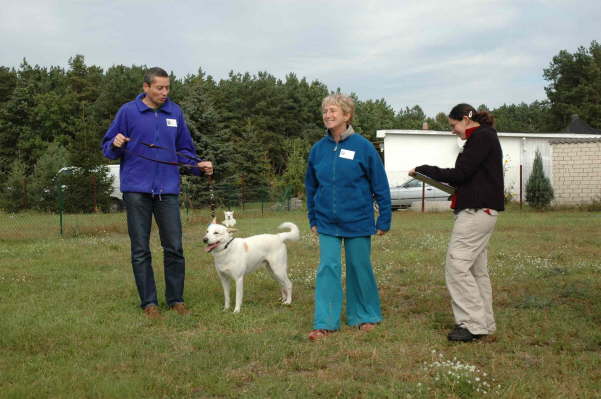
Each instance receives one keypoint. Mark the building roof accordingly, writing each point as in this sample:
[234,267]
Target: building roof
[558,136]
[575,141]
[577,125]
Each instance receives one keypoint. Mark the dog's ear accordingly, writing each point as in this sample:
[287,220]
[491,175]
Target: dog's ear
[214,221]
[231,230]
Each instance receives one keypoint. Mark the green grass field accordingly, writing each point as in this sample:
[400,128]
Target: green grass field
[71,327]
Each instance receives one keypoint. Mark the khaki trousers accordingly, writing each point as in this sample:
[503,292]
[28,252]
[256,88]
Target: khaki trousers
[466,270]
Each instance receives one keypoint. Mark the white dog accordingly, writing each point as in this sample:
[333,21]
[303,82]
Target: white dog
[229,219]
[236,257]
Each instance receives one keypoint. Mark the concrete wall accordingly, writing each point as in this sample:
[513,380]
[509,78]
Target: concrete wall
[576,172]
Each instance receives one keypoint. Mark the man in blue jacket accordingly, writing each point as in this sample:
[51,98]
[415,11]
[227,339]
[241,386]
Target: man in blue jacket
[150,183]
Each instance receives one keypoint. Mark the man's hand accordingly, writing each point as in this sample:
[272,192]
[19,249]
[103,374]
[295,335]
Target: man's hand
[380,232]
[206,167]
[314,229]
[119,140]
[412,172]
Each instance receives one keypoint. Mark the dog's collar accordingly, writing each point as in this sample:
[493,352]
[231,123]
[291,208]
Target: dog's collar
[229,242]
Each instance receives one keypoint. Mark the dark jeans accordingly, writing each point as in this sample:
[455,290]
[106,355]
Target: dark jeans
[140,207]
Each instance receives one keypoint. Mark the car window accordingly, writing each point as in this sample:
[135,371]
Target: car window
[413,183]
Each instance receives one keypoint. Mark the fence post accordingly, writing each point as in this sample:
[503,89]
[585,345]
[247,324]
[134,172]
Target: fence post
[186,199]
[242,193]
[24,203]
[94,203]
[521,185]
[59,189]
[423,196]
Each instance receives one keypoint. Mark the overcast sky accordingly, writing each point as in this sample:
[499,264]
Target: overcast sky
[430,53]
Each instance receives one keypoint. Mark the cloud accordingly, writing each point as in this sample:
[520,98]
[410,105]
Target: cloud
[430,53]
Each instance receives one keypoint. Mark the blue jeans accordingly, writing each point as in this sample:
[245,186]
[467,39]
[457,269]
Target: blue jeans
[362,297]
[140,207]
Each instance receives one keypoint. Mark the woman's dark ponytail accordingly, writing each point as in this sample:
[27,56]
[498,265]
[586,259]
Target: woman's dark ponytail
[482,117]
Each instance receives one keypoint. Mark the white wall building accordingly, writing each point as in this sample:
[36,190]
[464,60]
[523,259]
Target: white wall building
[406,149]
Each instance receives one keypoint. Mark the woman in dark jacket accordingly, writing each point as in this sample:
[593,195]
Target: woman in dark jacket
[478,180]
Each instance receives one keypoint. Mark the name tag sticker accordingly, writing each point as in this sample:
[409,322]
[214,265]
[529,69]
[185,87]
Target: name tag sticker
[171,122]
[347,154]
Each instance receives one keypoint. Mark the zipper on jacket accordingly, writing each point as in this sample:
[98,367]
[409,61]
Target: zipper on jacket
[156,140]
[334,181]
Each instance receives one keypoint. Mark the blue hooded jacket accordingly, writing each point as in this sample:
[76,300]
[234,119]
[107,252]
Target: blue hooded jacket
[342,181]
[164,127]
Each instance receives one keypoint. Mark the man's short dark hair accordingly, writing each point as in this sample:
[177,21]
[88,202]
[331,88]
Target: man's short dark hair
[153,73]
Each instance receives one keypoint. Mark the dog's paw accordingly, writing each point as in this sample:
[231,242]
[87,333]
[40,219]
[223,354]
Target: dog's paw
[285,301]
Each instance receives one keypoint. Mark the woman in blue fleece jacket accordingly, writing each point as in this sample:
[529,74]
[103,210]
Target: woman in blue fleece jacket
[344,176]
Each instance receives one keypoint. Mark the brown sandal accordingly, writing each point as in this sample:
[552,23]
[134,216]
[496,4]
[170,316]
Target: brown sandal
[367,326]
[316,335]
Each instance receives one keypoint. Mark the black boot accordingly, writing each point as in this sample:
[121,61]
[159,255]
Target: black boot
[462,334]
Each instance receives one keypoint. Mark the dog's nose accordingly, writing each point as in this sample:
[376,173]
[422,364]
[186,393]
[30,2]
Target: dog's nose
[205,240]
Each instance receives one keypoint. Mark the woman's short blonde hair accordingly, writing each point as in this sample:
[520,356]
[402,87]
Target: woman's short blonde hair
[346,103]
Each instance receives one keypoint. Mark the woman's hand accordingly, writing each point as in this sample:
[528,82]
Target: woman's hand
[411,172]
[380,232]
[314,229]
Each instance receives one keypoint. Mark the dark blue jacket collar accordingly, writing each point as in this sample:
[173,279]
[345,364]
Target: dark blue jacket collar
[166,108]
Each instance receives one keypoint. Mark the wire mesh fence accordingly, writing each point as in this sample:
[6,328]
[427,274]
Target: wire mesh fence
[56,221]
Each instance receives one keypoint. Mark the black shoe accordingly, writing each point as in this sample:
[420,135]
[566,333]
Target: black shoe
[462,334]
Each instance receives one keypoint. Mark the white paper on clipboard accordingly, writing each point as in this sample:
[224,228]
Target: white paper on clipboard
[435,183]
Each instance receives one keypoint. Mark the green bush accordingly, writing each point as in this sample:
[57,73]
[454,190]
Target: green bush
[15,195]
[85,190]
[43,186]
[539,191]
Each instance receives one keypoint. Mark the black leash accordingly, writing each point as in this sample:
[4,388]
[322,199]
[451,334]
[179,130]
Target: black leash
[180,164]
[212,205]
[212,199]
[176,153]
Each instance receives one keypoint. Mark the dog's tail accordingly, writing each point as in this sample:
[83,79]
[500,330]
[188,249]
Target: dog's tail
[291,235]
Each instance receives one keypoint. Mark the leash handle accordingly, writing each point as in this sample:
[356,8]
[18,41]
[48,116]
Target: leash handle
[211,197]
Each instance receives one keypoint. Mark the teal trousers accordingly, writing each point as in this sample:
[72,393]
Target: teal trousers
[362,297]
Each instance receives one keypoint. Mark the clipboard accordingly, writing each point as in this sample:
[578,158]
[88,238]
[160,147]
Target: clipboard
[435,183]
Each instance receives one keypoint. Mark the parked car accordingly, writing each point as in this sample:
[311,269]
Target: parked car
[411,191]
